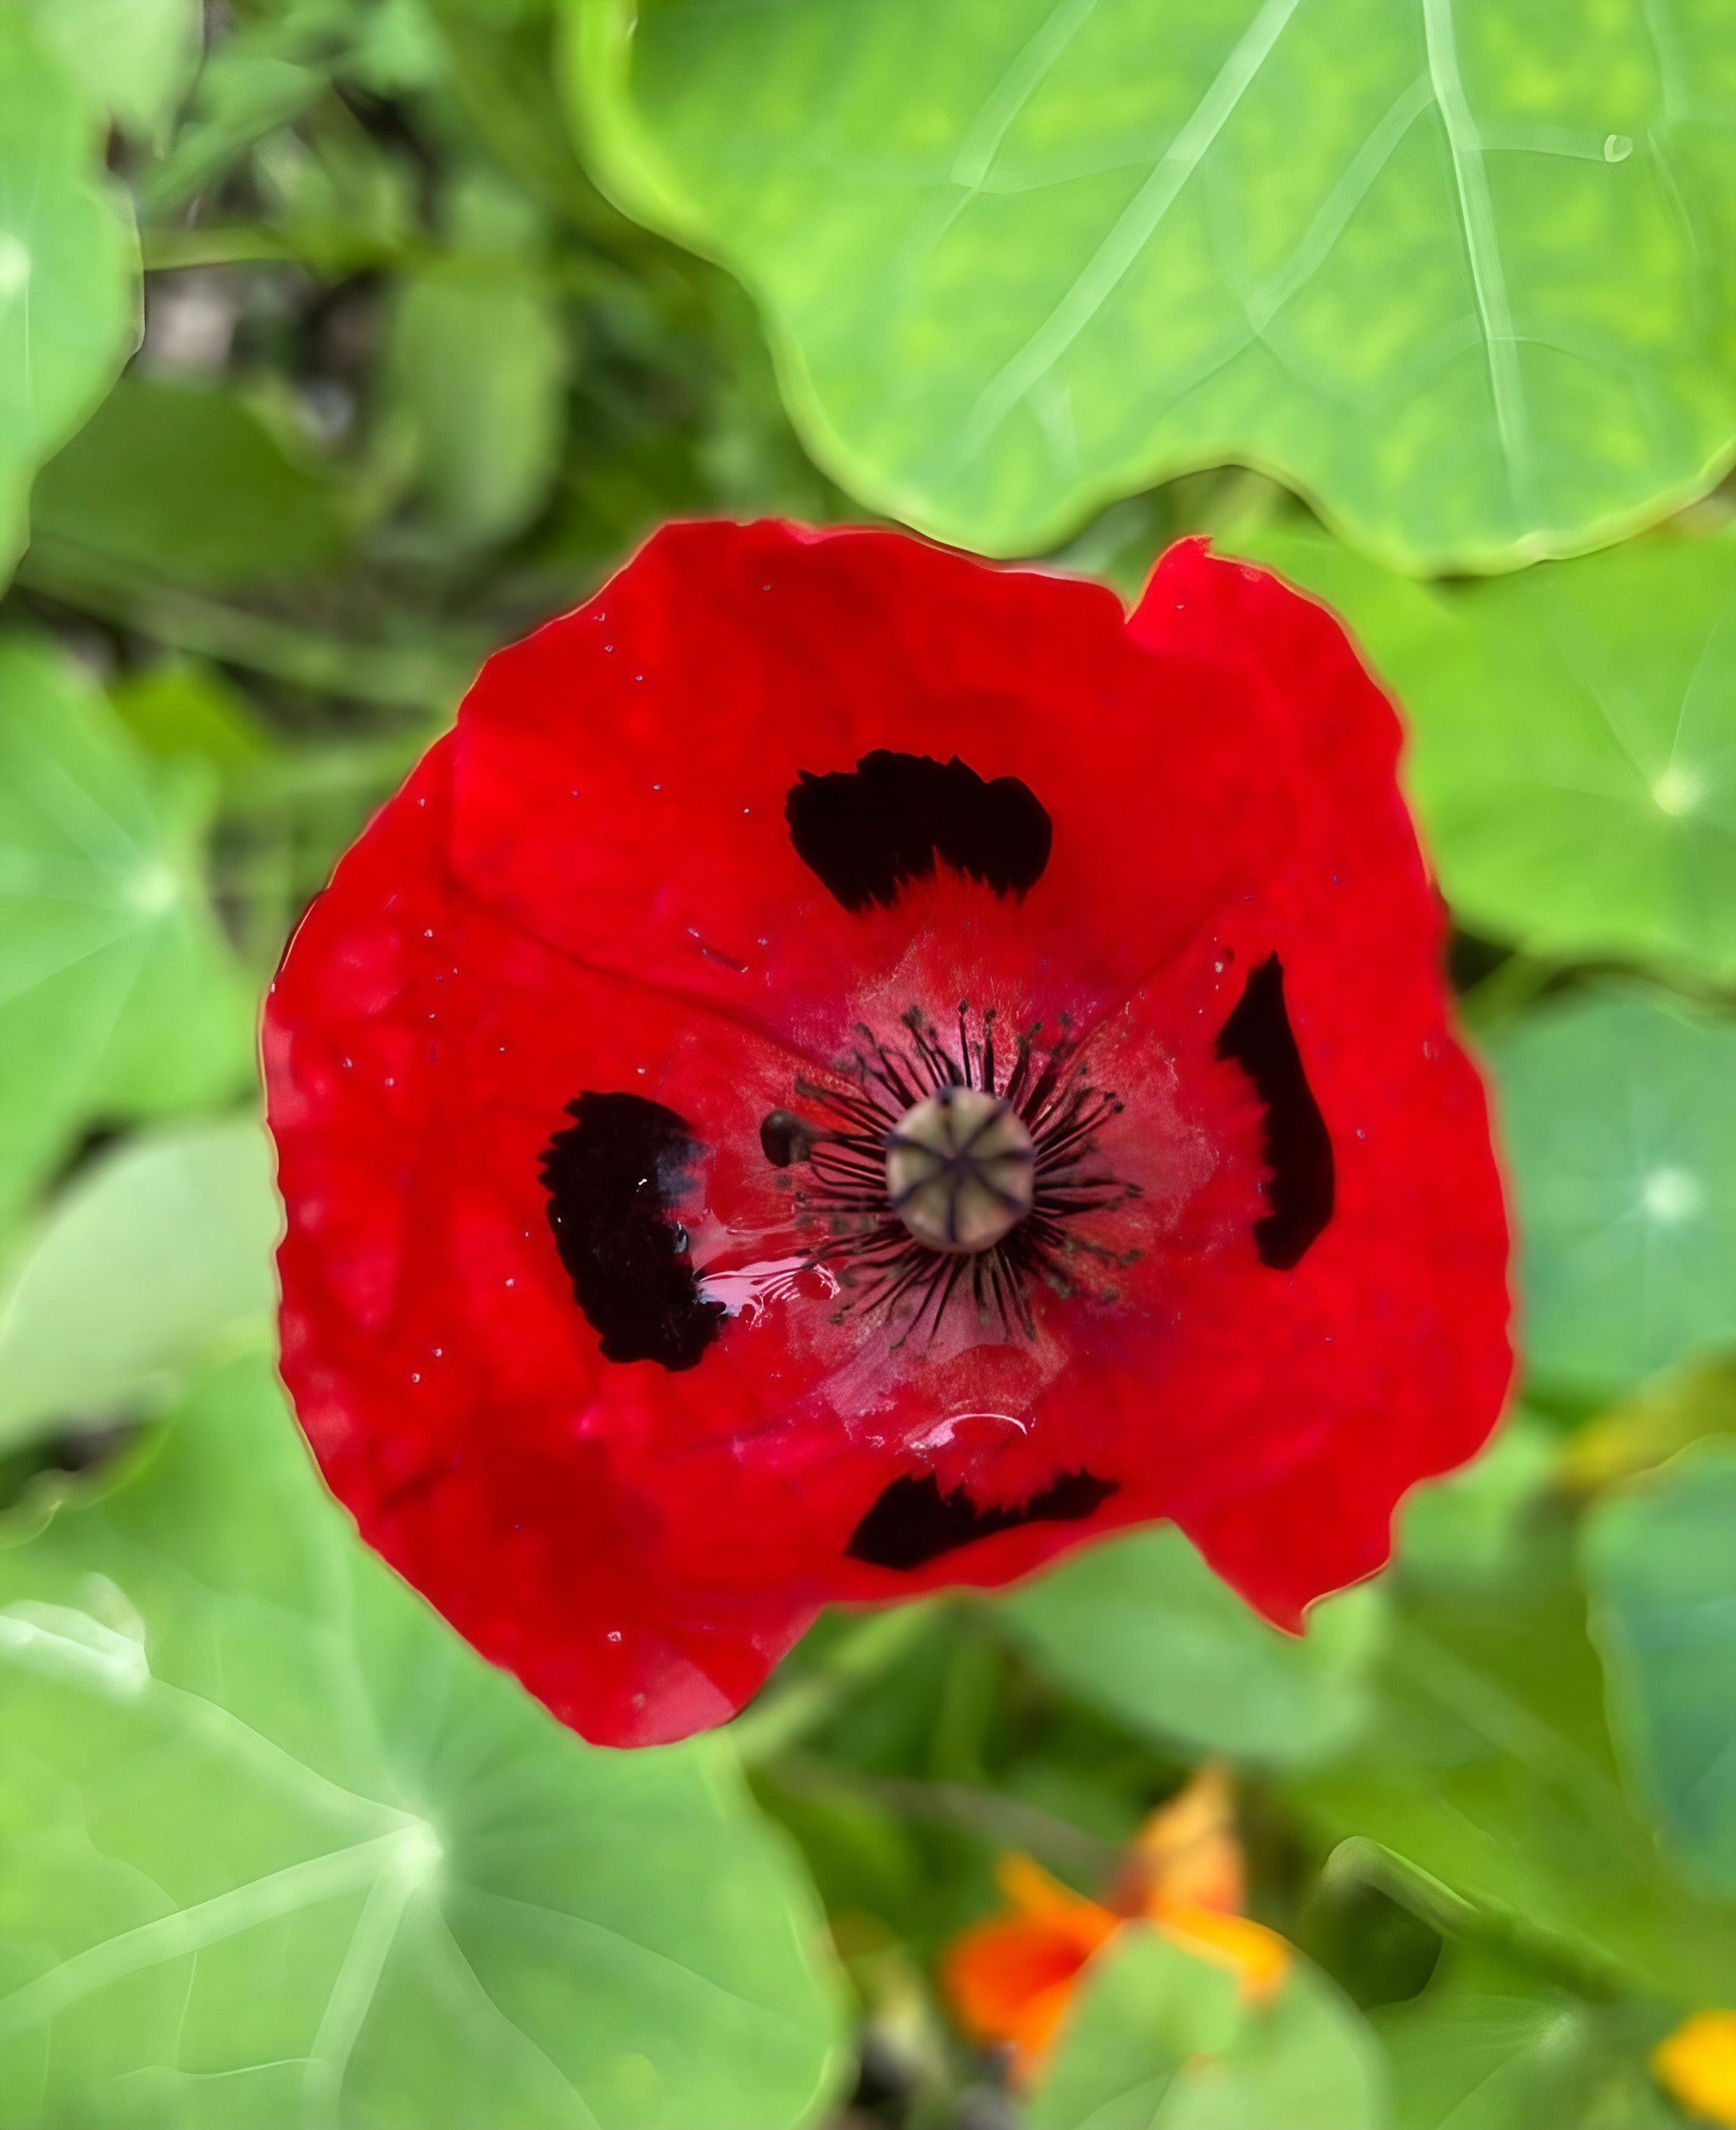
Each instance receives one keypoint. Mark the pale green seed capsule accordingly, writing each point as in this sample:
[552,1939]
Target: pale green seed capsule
[961,1170]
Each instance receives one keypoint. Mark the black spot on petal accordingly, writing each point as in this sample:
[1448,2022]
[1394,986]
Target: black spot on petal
[612,1178]
[1299,1149]
[913,1522]
[868,831]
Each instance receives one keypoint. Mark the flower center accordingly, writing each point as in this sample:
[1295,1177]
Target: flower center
[960,1169]
[953,1171]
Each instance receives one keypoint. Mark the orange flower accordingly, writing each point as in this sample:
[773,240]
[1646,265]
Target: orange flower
[1012,1979]
[1696,2066]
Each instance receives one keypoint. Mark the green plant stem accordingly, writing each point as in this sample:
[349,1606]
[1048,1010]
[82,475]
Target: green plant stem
[1006,1823]
[1589,1973]
[796,1711]
[342,771]
[232,636]
[232,244]
[975,1664]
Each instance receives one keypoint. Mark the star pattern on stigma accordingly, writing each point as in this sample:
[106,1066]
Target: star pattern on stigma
[851,1071]
[849,1136]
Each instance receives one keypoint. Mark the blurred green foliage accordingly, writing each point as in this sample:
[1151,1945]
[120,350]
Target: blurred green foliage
[1572,754]
[274,1847]
[69,280]
[1142,1627]
[1162,2043]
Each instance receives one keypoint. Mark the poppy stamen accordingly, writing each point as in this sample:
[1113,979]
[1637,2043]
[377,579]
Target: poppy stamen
[924,1164]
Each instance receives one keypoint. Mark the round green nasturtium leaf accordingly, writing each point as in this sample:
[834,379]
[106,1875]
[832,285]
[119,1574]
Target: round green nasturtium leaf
[1159,2038]
[279,1848]
[1459,270]
[68,266]
[1660,1562]
[155,1258]
[1465,2058]
[1572,749]
[1141,1626]
[1620,1131]
[118,994]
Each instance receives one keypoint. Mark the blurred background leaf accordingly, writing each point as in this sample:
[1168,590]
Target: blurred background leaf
[118,997]
[1662,1560]
[134,58]
[1487,1770]
[68,265]
[1466,1530]
[179,481]
[1142,1627]
[476,365]
[1504,2057]
[155,1258]
[1159,2042]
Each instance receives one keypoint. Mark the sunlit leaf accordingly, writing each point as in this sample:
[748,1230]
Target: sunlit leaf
[1621,1136]
[1661,1562]
[117,995]
[280,1849]
[1572,738]
[1159,2040]
[1458,272]
[1144,1629]
[154,1258]
[68,266]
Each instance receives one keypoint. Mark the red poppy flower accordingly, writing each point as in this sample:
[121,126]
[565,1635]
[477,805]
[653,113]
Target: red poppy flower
[851,1071]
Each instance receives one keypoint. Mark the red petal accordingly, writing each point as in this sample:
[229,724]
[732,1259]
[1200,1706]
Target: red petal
[1383,1359]
[453,1393]
[622,774]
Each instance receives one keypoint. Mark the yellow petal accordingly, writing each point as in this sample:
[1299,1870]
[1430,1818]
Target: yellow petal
[1696,2066]
[1187,1851]
[1031,1890]
[1258,1957]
